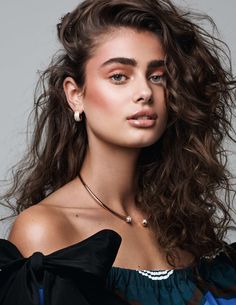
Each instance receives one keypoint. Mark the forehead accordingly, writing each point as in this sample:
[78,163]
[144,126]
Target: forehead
[126,42]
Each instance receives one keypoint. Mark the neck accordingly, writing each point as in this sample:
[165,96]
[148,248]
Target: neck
[110,173]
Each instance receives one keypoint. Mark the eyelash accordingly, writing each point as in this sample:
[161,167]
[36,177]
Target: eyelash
[121,82]
[117,74]
[160,77]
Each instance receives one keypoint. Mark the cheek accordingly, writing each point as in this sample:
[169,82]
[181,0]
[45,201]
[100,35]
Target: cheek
[100,98]
[160,100]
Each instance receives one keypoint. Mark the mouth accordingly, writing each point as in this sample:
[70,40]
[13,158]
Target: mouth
[143,115]
[143,119]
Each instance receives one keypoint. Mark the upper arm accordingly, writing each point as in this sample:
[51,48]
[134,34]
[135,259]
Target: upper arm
[35,230]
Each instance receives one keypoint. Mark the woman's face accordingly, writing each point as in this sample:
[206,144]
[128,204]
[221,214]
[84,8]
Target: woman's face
[125,76]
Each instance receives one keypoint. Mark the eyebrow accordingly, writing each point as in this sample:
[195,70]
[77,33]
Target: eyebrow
[132,62]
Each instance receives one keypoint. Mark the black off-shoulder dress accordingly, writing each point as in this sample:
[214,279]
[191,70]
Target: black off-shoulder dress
[82,274]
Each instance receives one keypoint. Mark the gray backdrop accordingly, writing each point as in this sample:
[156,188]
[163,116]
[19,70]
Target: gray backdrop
[28,40]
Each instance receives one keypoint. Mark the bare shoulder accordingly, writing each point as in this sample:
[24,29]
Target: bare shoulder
[38,228]
[59,220]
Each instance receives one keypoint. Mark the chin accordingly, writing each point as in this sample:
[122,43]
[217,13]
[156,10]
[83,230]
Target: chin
[143,137]
[141,144]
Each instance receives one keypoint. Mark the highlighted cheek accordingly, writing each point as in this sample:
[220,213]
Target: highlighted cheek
[103,99]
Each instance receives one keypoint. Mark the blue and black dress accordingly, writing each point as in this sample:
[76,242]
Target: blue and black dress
[82,274]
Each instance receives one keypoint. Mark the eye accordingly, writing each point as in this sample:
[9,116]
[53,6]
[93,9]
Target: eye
[118,78]
[156,79]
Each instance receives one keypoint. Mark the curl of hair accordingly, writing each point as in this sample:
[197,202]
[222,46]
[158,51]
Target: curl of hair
[181,176]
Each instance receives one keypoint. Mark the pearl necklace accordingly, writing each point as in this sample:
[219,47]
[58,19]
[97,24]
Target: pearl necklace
[127,218]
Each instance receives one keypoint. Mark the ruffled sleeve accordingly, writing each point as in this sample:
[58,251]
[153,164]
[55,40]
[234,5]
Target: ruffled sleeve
[73,275]
[210,282]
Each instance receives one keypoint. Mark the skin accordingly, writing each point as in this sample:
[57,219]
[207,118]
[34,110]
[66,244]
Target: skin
[115,91]
[111,93]
[107,103]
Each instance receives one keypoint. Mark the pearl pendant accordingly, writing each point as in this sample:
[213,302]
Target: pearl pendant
[145,222]
[128,219]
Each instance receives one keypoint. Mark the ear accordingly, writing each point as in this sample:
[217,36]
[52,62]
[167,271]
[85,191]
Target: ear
[74,94]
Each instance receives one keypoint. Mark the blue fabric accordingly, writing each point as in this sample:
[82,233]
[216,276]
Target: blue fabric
[41,296]
[180,286]
[211,300]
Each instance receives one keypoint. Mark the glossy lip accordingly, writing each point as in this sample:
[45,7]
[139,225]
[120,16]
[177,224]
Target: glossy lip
[149,113]
[142,123]
[145,122]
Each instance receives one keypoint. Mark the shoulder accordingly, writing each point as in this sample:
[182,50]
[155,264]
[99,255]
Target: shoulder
[39,228]
[61,219]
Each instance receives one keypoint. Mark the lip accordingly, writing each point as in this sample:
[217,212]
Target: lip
[149,113]
[135,120]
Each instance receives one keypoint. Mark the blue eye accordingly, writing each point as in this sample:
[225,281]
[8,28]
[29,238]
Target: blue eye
[156,78]
[118,77]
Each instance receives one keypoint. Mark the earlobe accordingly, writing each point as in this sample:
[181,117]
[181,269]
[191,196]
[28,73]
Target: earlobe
[73,94]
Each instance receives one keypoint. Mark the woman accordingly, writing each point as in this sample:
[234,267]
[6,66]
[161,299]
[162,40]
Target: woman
[127,144]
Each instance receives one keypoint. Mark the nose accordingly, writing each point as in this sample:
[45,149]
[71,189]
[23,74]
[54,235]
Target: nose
[143,92]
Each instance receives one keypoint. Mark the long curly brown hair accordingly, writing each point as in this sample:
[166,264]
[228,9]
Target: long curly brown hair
[182,176]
